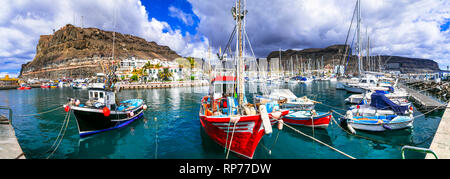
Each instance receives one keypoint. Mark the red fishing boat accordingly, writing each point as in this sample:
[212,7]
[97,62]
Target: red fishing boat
[308,118]
[239,132]
[45,85]
[225,114]
[24,87]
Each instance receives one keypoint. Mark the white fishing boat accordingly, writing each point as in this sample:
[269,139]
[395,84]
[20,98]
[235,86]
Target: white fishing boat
[394,95]
[293,103]
[342,82]
[368,83]
[382,114]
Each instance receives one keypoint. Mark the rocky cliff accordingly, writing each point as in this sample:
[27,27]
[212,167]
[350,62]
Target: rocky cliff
[334,55]
[77,52]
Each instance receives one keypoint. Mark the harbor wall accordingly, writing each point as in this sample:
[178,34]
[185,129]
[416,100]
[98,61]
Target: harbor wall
[441,141]
[9,146]
[153,85]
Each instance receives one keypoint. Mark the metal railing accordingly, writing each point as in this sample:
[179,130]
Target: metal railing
[417,149]
[10,113]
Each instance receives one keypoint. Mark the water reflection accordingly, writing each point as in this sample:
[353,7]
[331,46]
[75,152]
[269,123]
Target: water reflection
[179,131]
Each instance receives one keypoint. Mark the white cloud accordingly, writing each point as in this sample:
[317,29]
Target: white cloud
[184,17]
[10,75]
[407,28]
[23,21]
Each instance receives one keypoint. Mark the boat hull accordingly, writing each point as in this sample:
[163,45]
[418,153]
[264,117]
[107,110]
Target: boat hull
[380,125]
[352,89]
[93,121]
[24,88]
[319,121]
[248,131]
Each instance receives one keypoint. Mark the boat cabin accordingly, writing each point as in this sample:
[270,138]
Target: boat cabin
[222,85]
[101,97]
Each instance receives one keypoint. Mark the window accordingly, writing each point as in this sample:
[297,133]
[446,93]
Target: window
[96,94]
[101,95]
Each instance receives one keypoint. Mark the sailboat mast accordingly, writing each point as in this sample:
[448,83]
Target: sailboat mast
[240,67]
[359,37]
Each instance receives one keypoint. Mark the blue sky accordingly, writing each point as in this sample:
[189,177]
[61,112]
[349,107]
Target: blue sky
[159,9]
[445,25]
[410,28]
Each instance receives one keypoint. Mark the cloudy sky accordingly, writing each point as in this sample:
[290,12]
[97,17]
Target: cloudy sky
[411,28]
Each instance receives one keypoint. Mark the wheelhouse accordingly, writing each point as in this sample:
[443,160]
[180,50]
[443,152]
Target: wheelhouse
[101,96]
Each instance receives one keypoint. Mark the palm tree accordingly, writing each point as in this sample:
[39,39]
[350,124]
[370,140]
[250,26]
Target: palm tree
[165,75]
[192,63]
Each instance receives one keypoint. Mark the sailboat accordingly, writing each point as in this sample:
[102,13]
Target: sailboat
[101,112]
[382,113]
[225,114]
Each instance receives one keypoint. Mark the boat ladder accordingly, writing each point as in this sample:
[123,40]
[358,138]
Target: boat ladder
[417,149]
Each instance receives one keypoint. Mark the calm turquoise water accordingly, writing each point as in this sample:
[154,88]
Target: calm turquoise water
[177,133]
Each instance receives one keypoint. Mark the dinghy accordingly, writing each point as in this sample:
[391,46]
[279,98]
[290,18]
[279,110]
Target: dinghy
[308,119]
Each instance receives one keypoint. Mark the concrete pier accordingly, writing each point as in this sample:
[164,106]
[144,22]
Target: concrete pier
[9,146]
[441,141]
[423,102]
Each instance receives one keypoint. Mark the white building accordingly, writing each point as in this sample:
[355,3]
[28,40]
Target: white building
[133,63]
[130,64]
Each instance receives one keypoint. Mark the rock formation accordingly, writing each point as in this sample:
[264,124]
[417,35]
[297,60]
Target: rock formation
[79,52]
[334,55]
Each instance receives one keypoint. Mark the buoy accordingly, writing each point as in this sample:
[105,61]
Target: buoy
[350,128]
[144,107]
[280,125]
[234,119]
[106,111]
[357,107]
[277,115]
[66,108]
[349,115]
[131,113]
[77,102]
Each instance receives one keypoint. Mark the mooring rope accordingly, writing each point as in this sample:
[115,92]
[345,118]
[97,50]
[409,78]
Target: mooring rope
[425,113]
[273,144]
[232,135]
[156,137]
[349,156]
[65,129]
[51,110]
[60,131]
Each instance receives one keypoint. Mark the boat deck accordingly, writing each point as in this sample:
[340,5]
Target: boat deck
[424,102]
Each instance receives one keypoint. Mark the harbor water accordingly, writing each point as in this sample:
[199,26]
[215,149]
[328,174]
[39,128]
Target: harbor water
[177,134]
